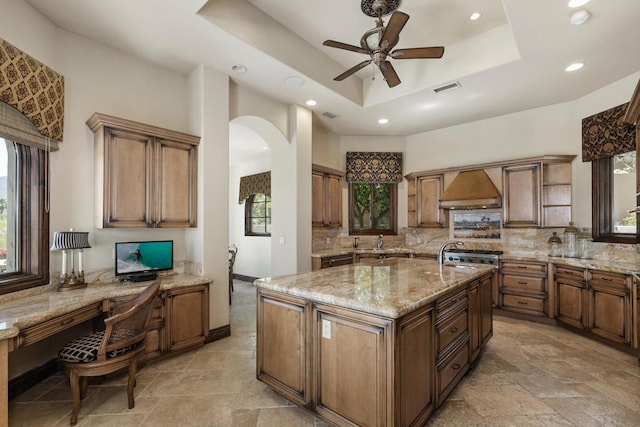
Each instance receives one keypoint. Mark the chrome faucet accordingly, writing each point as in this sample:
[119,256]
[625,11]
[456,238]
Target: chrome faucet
[380,241]
[444,246]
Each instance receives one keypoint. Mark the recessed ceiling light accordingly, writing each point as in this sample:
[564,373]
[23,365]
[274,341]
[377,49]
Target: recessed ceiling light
[383,121]
[475,16]
[294,81]
[574,66]
[311,102]
[579,17]
[577,3]
[238,68]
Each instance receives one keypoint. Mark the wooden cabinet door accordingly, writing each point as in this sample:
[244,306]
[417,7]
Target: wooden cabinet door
[317,199]
[429,190]
[156,340]
[333,200]
[474,320]
[283,345]
[521,196]
[353,357]
[485,296]
[571,307]
[175,193]
[187,316]
[610,313]
[128,175]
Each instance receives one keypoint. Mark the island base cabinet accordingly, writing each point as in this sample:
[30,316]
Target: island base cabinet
[283,342]
[352,367]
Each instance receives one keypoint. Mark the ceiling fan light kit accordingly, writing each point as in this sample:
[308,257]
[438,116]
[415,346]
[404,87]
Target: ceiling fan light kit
[378,42]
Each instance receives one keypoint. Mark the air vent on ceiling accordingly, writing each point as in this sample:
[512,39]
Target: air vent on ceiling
[447,87]
[329,115]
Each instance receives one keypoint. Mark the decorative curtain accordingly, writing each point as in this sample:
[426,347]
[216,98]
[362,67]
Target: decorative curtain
[606,134]
[33,89]
[374,168]
[254,184]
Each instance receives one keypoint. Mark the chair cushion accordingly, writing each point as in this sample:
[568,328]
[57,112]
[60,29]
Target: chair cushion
[85,349]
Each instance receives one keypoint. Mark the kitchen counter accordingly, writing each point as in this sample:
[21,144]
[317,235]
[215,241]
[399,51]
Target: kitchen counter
[30,307]
[389,287]
[624,267]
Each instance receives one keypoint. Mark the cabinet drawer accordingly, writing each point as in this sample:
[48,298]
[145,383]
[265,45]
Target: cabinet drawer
[524,267]
[453,367]
[451,303]
[536,284]
[43,330]
[448,332]
[570,272]
[335,261]
[519,302]
[606,278]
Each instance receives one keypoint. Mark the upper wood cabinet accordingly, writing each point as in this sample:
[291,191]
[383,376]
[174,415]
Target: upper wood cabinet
[521,195]
[326,190]
[145,176]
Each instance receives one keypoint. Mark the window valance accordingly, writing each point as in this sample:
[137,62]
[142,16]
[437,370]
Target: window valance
[254,184]
[606,134]
[33,89]
[374,167]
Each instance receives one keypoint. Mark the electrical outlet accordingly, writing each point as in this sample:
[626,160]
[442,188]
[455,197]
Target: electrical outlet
[282,240]
[326,329]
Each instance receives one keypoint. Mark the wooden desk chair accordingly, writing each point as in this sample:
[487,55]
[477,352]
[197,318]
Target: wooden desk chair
[115,348]
[233,251]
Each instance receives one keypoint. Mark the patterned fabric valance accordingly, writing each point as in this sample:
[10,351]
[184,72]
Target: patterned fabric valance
[374,168]
[606,134]
[33,89]
[254,184]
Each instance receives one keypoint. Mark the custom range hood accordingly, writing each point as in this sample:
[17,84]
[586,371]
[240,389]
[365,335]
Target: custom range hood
[471,190]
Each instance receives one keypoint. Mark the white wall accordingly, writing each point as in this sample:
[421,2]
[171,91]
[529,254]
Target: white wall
[325,147]
[254,253]
[554,129]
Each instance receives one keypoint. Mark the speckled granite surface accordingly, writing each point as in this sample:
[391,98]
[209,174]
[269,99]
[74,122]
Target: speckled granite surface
[389,287]
[30,307]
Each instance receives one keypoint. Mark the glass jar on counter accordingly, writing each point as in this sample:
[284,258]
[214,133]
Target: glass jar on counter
[555,245]
[570,241]
[584,244]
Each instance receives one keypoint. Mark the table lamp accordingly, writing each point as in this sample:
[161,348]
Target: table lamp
[70,241]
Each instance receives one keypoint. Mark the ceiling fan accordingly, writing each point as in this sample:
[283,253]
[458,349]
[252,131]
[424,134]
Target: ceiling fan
[378,42]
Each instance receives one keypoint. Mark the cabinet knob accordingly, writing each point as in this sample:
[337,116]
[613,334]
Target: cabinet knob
[66,322]
[522,302]
[455,366]
[455,329]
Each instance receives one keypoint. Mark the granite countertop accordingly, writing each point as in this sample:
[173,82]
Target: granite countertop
[389,287]
[35,307]
[616,266]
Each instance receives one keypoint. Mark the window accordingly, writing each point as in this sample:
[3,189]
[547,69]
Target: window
[373,208]
[614,195]
[24,220]
[257,215]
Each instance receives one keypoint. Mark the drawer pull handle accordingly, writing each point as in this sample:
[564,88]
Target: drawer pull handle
[455,329]
[523,283]
[522,302]
[455,366]
[607,279]
[66,322]
[454,301]
[522,266]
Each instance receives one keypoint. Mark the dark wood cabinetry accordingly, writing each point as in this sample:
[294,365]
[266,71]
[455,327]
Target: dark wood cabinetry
[374,255]
[145,176]
[331,261]
[424,201]
[480,315]
[597,303]
[187,316]
[523,287]
[521,187]
[326,187]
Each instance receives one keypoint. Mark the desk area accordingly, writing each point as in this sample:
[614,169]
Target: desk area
[180,319]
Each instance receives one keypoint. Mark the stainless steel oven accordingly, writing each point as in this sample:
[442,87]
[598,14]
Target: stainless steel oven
[473,256]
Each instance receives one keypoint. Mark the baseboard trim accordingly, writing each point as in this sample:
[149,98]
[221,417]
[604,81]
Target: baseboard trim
[24,382]
[218,333]
[245,278]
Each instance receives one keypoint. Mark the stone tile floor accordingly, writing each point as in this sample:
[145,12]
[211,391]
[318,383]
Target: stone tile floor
[529,375]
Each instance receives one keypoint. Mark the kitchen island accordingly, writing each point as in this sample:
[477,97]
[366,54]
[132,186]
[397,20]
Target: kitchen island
[380,343]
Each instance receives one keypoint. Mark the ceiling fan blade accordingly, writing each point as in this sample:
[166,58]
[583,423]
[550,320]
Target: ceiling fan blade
[418,52]
[394,26]
[389,74]
[345,46]
[352,70]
